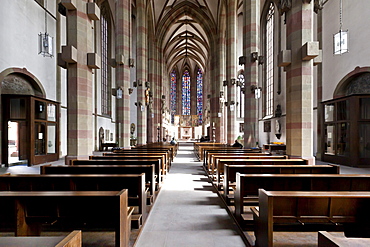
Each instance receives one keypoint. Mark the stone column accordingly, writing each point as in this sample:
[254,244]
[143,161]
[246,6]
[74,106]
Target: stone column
[251,30]
[80,136]
[318,10]
[123,23]
[141,70]
[299,101]
[216,88]
[231,69]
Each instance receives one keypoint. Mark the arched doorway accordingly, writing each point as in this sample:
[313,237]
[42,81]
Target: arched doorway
[30,123]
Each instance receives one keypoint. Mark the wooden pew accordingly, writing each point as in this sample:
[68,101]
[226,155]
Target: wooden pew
[254,160]
[199,147]
[121,160]
[209,153]
[134,183]
[231,170]
[147,170]
[166,152]
[74,239]
[159,145]
[163,167]
[70,209]
[247,186]
[307,211]
[326,239]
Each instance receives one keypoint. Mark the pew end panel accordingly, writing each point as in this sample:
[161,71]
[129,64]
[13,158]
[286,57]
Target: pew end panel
[312,211]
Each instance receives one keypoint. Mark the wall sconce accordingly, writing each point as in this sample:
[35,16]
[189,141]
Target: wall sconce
[225,83]
[140,105]
[233,81]
[130,90]
[261,60]
[147,84]
[131,62]
[119,93]
[256,91]
[232,105]
[242,60]
[254,56]
[139,83]
[221,94]
[134,84]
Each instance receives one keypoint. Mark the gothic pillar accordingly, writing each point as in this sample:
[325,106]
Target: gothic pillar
[231,59]
[80,33]
[299,101]
[251,30]
[141,71]
[217,90]
[123,23]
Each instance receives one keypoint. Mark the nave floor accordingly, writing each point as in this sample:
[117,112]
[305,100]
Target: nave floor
[188,211]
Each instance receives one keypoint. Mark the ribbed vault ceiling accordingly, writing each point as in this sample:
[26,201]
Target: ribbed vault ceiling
[185,40]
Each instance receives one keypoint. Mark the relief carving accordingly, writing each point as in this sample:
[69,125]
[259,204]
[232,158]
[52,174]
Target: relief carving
[359,85]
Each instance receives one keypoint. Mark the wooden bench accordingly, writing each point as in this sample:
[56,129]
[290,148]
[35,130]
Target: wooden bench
[307,211]
[97,170]
[120,161]
[134,183]
[106,145]
[326,239]
[247,186]
[209,154]
[212,158]
[70,209]
[231,170]
[254,160]
[74,239]
[166,146]
[145,151]
[163,167]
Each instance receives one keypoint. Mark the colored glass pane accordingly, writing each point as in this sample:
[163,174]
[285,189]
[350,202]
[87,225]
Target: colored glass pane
[173,96]
[186,93]
[200,96]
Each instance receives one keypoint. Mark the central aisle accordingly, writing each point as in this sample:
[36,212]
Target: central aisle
[188,211]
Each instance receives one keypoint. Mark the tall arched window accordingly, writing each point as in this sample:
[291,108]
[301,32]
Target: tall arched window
[200,95]
[173,95]
[269,46]
[186,93]
[105,69]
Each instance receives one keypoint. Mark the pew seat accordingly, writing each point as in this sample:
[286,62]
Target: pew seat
[74,239]
[307,211]
[86,210]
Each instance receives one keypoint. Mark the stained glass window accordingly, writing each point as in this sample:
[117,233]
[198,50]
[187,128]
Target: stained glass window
[186,93]
[270,60]
[200,96]
[105,72]
[173,96]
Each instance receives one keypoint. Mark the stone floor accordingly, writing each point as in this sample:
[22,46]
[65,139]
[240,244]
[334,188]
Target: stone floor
[188,211]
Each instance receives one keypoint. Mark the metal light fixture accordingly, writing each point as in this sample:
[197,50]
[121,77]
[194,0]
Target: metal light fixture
[340,39]
[45,40]
[119,93]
